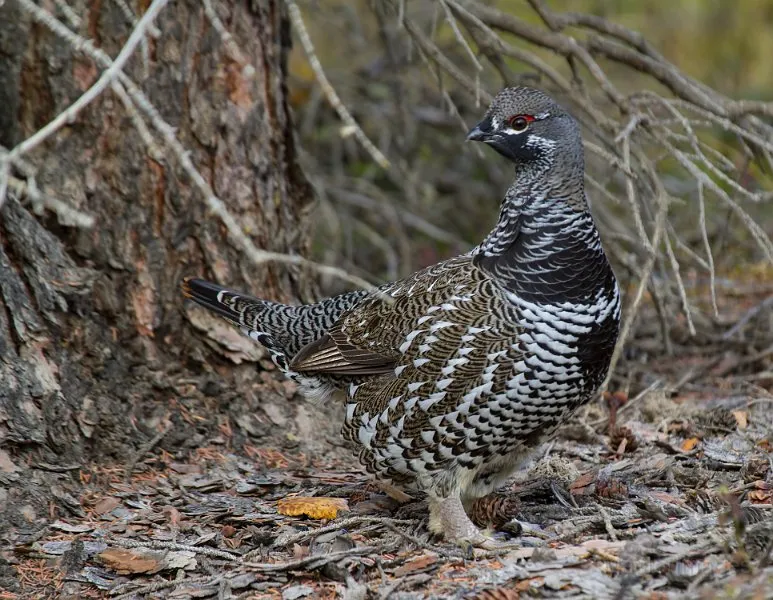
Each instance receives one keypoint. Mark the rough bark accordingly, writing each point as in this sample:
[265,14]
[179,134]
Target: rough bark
[97,351]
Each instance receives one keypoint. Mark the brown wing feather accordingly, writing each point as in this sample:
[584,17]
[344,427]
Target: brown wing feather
[334,355]
[366,339]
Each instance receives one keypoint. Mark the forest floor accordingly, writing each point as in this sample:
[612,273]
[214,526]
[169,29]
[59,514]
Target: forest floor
[664,494]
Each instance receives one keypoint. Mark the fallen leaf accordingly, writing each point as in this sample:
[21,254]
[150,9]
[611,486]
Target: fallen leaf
[312,506]
[761,496]
[62,526]
[742,418]
[180,559]
[300,551]
[526,584]
[420,563]
[106,505]
[125,561]
[689,444]
[579,485]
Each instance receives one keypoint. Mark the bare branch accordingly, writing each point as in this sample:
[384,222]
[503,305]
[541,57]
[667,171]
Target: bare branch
[351,125]
[68,116]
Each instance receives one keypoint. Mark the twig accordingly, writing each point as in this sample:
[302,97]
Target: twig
[315,560]
[335,526]
[329,90]
[707,248]
[149,588]
[69,13]
[416,541]
[455,27]
[655,566]
[748,316]
[144,449]
[67,214]
[163,545]
[660,220]
[68,116]
[228,40]
[679,283]
[608,522]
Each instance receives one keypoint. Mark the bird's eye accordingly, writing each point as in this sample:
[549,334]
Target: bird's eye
[520,123]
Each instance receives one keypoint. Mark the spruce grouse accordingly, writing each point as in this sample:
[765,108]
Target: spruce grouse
[473,361]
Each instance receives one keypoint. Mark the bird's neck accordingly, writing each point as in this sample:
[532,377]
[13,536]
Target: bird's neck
[545,245]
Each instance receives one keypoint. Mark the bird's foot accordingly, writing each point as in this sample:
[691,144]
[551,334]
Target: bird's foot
[448,517]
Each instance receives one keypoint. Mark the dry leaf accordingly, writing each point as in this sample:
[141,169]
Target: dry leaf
[760,496]
[741,418]
[313,507]
[689,444]
[107,504]
[419,563]
[579,486]
[125,561]
[526,584]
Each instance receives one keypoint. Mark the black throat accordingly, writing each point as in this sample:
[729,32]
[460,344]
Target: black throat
[547,251]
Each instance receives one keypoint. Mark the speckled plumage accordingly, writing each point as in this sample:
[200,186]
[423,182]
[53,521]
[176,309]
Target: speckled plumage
[467,364]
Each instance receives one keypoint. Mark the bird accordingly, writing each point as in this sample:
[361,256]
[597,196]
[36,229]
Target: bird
[453,376]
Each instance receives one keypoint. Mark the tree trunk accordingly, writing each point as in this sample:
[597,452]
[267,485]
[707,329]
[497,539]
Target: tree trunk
[98,353]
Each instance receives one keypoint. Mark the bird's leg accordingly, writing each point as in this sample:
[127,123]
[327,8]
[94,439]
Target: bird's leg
[448,518]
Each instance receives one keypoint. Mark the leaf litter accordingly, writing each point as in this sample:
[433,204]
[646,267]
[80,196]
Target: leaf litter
[663,496]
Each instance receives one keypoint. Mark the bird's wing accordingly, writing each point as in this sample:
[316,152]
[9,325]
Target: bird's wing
[370,338]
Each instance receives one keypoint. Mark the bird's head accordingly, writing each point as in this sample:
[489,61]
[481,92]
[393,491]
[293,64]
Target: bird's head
[530,128]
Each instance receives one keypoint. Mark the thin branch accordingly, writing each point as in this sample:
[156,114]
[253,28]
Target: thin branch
[68,115]
[330,93]
[228,40]
[707,248]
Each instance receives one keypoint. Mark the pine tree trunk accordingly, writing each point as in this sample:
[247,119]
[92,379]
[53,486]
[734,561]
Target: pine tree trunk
[98,352]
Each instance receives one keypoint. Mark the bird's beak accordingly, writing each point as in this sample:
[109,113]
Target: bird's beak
[476,134]
[481,132]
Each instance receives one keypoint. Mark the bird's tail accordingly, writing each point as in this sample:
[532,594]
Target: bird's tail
[212,296]
[240,309]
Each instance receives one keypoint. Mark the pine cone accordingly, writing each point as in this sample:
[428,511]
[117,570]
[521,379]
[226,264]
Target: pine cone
[754,469]
[494,510]
[717,420]
[620,433]
[757,538]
